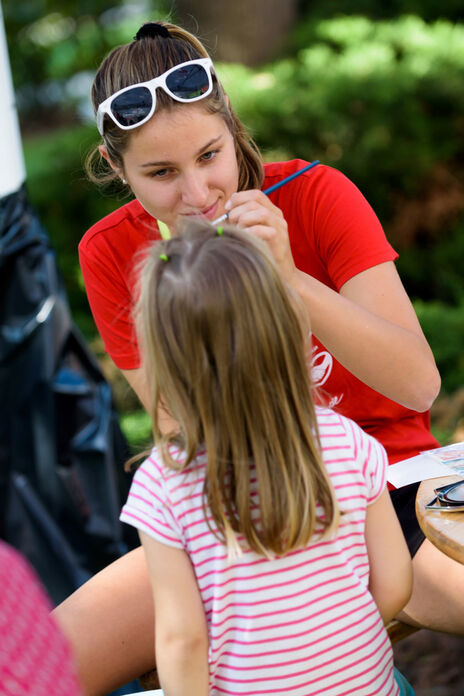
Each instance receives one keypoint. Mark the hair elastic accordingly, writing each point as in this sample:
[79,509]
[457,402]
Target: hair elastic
[220,230]
[164,257]
[150,30]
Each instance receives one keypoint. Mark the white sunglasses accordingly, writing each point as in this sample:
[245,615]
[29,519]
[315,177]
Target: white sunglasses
[134,105]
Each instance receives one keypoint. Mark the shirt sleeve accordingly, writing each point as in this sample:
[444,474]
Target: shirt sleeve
[111,304]
[373,461]
[148,507]
[348,235]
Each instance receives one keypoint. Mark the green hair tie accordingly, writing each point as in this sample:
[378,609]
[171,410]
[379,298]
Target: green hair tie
[164,257]
[220,230]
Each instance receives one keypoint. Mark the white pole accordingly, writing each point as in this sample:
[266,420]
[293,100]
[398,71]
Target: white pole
[12,169]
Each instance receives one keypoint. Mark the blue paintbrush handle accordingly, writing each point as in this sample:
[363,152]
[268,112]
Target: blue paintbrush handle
[274,187]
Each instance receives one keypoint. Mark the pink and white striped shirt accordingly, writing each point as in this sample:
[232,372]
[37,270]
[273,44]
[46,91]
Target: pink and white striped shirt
[303,624]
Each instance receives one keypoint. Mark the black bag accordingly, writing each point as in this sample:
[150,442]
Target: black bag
[62,452]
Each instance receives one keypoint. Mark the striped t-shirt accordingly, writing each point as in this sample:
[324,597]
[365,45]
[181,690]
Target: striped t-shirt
[302,624]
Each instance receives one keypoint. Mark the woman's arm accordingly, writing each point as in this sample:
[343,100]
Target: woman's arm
[139,384]
[109,623]
[390,575]
[181,637]
[372,330]
[370,327]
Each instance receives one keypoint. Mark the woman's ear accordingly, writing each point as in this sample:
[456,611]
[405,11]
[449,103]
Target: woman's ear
[104,153]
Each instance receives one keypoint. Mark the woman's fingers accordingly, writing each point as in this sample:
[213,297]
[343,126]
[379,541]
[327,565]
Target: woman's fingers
[253,211]
[246,201]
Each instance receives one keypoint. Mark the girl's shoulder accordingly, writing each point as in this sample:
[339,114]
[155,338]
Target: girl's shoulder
[333,424]
[346,447]
[171,473]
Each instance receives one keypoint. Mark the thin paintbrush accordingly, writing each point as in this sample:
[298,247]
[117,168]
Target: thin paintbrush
[274,187]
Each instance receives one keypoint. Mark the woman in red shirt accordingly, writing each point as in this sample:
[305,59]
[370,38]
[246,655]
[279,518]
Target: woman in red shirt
[177,144]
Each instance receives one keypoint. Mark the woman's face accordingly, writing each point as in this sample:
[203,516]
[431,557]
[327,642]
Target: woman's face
[182,163]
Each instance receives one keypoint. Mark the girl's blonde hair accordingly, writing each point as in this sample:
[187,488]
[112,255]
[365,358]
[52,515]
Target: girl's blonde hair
[142,60]
[223,345]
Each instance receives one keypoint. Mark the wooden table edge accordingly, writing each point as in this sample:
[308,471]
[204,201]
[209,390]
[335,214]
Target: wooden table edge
[425,518]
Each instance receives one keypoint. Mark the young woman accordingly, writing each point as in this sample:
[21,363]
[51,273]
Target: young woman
[176,142]
[273,549]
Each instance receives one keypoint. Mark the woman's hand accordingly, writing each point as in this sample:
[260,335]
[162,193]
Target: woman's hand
[253,211]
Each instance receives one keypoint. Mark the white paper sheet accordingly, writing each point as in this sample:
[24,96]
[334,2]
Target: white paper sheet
[441,461]
[418,468]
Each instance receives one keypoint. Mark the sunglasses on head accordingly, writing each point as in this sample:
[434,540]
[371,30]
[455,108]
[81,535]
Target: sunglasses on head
[134,105]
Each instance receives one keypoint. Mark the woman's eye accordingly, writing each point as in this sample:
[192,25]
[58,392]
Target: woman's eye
[159,173]
[209,155]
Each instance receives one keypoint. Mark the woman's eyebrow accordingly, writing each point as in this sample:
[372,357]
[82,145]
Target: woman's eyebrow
[164,163]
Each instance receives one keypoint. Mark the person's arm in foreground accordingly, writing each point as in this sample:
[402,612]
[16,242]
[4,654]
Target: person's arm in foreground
[390,577]
[370,327]
[109,624]
[181,637]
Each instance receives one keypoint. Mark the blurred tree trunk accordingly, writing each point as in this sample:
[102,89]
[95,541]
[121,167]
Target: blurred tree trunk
[245,31]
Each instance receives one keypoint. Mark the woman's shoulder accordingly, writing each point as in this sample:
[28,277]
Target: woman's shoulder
[320,188]
[276,171]
[130,218]
[319,185]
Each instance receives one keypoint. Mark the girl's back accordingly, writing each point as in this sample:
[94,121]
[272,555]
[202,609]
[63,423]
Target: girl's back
[269,536]
[300,624]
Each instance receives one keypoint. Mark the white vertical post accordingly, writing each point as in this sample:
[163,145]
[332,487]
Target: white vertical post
[12,169]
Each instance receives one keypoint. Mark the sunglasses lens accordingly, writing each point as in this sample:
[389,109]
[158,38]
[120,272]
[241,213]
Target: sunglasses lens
[188,82]
[455,494]
[132,106]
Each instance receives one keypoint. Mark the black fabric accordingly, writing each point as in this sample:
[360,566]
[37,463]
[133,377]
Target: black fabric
[404,502]
[61,449]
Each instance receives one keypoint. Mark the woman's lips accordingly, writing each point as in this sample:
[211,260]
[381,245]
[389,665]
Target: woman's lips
[209,212]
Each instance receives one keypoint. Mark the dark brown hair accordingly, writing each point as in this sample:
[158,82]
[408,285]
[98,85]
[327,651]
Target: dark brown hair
[223,347]
[140,61]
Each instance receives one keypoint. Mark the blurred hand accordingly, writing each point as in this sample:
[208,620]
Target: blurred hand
[253,211]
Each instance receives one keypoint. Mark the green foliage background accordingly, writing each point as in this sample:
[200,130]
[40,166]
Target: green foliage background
[378,96]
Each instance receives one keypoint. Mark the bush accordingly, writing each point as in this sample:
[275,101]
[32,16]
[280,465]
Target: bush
[432,269]
[429,10]
[381,101]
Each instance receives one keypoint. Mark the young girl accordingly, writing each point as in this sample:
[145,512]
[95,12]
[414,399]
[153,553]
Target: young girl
[274,552]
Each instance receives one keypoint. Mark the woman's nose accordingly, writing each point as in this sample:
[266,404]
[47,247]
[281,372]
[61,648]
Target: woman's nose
[195,190]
